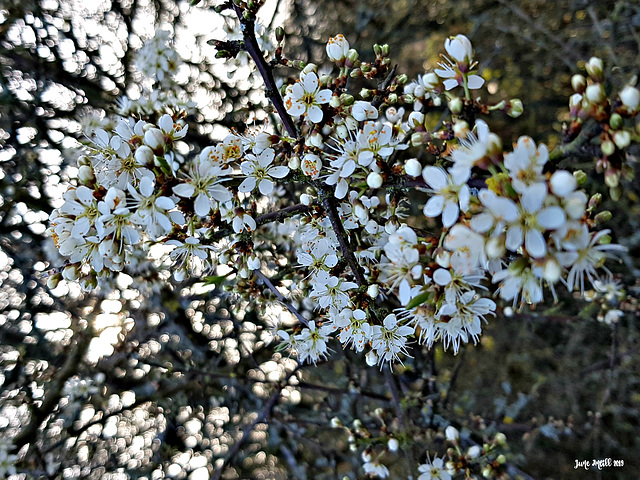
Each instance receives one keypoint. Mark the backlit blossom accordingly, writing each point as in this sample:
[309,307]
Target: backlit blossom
[306,96]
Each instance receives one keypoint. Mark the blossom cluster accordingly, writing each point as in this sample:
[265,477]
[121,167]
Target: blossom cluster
[342,178]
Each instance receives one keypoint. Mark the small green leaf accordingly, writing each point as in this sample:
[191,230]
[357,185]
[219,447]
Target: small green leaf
[419,300]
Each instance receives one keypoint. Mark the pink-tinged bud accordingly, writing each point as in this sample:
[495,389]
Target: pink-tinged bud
[595,68]
[595,93]
[612,178]
[413,168]
[154,138]
[579,83]
[630,97]
[352,58]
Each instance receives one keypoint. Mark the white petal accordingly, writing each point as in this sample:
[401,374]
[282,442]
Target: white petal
[533,197]
[247,185]
[435,177]
[202,205]
[323,96]
[433,208]
[315,114]
[450,214]
[265,186]
[535,244]
[184,190]
[475,82]
[164,203]
[310,82]
[514,238]
[482,223]
[551,218]
[442,277]
[278,172]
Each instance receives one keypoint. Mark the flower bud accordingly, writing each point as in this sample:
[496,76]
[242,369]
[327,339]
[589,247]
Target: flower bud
[579,83]
[611,178]
[474,452]
[374,180]
[515,108]
[603,217]
[413,168]
[417,139]
[630,97]
[580,177]
[305,199]
[309,68]
[279,34]
[595,200]
[335,101]
[562,183]
[622,139]
[416,120]
[144,155]
[552,271]
[54,280]
[294,163]
[495,248]
[595,93]
[616,121]
[154,138]
[455,105]
[615,193]
[393,445]
[352,58]
[452,434]
[595,68]
[501,438]
[501,459]
[608,148]
[461,129]
[85,174]
[373,290]
[71,272]
[402,79]
[366,93]
[371,358]
[336,423]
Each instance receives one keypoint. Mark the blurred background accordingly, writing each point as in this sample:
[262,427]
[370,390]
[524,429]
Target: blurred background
[155,379]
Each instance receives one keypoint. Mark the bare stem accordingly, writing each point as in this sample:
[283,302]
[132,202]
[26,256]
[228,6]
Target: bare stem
[280,297]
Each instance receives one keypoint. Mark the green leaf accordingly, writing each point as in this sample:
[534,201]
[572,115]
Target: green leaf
[420,299]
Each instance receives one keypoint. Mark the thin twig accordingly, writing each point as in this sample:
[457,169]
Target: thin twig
[280,297]
[271,89]
[588,132]
[395,395]
[343,239]
[262,416]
